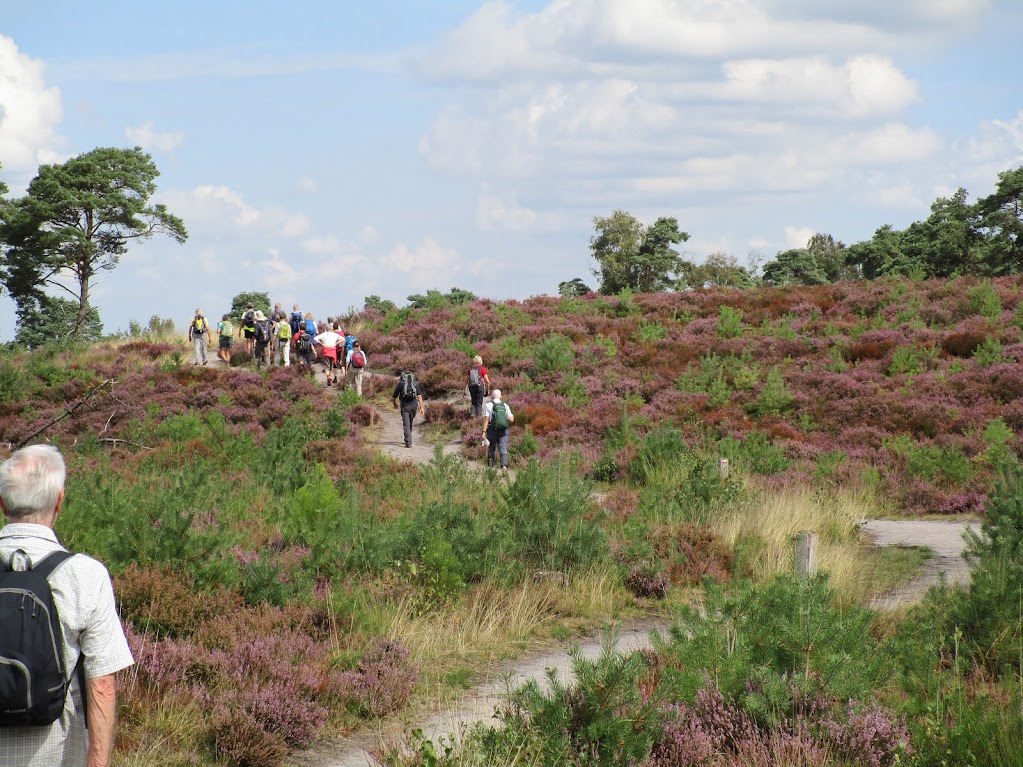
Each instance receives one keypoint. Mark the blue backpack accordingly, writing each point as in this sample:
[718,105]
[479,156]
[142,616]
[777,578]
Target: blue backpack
[310,327]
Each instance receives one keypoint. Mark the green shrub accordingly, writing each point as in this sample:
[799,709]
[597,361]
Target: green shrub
[551,519]
[775,397]
[553,353]
[729,322]
[649,332]
[985,301]
[756,453]
[989,353]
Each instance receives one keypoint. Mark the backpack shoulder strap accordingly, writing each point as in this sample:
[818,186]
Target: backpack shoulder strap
[46,566]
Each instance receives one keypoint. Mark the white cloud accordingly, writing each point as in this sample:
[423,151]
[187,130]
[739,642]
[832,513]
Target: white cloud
[295,225]
[145,136]
[426,266]
[798,236]
[30,112]
[216,201]
[307,184]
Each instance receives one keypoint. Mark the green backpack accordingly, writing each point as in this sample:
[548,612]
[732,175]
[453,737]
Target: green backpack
[499,419]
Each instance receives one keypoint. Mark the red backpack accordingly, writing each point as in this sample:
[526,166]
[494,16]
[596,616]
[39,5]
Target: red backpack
[358,358]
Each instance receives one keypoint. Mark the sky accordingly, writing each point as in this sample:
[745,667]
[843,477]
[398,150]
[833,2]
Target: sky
[324,150]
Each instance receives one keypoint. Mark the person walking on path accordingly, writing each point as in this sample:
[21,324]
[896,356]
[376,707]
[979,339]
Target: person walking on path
[282,340]
[409,395]
[304,348]
[262,337]
[497,418]
[225,332]
[31,496]
[249,328]
[478,384]
[355,363]
[329,341]
[199,334]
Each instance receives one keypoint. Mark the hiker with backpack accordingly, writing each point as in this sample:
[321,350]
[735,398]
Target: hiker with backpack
[497,419]
[199,334]
[477,384]
[69,652]
[296,319]
[304,347]
[249,327]
[409,395]
[282,341]
[262,336]
[225,331]
[355,364]
[329,341]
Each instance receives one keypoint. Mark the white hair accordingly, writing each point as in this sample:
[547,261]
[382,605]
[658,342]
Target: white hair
[495,394]
[31,482]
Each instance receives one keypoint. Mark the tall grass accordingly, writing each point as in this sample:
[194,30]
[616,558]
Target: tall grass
[763,525]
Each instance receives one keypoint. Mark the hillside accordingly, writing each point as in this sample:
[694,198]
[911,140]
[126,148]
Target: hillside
[283,579]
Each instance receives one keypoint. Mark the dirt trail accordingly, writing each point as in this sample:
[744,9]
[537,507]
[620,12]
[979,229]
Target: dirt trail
[943,538]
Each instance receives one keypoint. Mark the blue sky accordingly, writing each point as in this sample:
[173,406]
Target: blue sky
[325,151]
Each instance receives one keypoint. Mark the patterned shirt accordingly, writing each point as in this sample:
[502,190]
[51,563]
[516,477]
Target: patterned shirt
[84,597]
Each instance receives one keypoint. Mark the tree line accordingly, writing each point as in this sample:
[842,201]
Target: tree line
[958,238]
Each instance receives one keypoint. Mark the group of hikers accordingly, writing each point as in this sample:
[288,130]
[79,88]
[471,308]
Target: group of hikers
[271,340]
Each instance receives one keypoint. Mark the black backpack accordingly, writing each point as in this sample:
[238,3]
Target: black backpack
[407,386]
[263,331]
[33,678]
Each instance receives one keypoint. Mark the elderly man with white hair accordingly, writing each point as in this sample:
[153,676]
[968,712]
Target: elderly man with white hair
[31,496]
[497,417]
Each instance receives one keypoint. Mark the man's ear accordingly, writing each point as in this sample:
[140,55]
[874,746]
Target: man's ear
[60,502]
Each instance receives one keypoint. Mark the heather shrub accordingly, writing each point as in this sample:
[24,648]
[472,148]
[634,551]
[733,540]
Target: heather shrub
[646,582]
[381,684]
[162,601]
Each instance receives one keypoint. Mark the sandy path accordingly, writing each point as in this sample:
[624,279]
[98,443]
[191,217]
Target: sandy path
[943,538]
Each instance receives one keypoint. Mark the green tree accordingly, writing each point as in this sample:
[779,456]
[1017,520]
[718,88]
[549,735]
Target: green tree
[76,220]
[49,320]
[794,267]
[829,254]
[378,303]
[948,239]
[241,301]
[434,299]
[573,287]
[719,270]
[632,257]
[1000,217]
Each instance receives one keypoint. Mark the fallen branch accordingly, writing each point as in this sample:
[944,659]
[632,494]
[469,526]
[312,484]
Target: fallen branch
[114,441]
[69,411]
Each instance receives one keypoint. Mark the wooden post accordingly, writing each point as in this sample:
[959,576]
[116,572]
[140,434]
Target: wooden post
[806,554]
[723,468]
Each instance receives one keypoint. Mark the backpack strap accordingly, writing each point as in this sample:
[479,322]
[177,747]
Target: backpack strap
[46,566]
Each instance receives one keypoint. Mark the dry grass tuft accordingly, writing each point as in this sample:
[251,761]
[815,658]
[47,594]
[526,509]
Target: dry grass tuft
[765,528]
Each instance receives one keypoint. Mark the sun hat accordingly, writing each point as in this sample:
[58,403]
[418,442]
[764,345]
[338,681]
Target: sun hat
[259,315]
